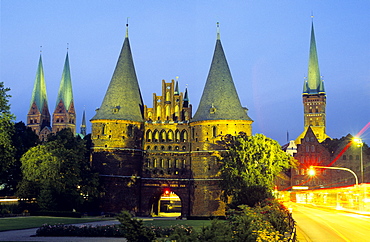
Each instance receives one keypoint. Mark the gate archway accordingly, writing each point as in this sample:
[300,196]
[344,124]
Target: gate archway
[168,204]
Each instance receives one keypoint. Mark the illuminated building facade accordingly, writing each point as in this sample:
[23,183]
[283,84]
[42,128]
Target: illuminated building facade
[142,153]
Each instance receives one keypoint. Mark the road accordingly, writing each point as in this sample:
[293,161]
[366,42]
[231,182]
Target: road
[324,225]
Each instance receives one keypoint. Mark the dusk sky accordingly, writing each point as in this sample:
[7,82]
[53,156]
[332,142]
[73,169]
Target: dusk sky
[266,44]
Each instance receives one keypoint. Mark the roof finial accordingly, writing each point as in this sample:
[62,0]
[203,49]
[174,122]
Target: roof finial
[312,15]
[218,30]
[127,28]
[67,47]
[40,49]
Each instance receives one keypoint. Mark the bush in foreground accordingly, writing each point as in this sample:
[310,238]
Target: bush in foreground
[267,221]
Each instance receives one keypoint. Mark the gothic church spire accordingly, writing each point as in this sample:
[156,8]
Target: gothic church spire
[65,93]
[39,96]
[314,84]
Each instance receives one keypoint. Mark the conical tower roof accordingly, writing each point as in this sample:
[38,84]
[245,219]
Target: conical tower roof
[220,100]
[39,95]
[313,84]
[65,93]
[122,100]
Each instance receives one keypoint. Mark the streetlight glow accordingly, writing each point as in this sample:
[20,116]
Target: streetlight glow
[311,171]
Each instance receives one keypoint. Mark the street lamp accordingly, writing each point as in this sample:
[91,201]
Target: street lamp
[311,171]
[359,143]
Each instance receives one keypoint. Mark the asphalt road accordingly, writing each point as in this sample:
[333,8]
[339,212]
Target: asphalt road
[326,225]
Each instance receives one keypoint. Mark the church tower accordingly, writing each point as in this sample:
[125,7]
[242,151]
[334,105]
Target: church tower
[38,117]
[219,113]
[117,131]
[64,115]
[314,97]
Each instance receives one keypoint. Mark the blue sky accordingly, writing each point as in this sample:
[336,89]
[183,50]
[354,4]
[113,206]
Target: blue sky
[266,45]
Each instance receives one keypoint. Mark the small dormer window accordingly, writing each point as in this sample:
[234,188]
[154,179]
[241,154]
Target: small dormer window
[116,109]
[212,110]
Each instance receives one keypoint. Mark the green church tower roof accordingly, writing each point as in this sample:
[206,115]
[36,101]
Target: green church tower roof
[39,95]
[220,100]
[122,100]
[314,84]
[65,89]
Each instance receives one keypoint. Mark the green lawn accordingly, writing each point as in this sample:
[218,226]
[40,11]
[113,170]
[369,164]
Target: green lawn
[37,221]
[196,224]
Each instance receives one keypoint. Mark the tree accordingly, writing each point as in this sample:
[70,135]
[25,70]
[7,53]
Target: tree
[251,162]
[6,131]
[59,173]
[23,139]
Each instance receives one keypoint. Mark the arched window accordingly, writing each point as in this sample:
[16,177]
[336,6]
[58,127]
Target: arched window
[168,96]
[159,112]
[162,163]
[214,131]
[312,148]
[163,136]
[168,113]
[149,135]
[169,163]
[183,163]
[176,163]
[170,136]
[184,136]
[177,135]
[155,136]
[154,163]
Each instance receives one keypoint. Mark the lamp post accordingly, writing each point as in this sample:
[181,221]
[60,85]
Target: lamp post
[312,171]
[359,143]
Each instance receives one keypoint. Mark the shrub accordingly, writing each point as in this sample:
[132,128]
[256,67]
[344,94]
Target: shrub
[134,229]
[250,225]
[85,231]
[276,214]
[250,196]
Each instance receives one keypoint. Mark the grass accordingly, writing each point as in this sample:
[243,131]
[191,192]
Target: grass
[196,224]
[37,221]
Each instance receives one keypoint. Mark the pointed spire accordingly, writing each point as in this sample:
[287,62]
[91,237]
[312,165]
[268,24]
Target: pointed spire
[127,28]
[39,95]
[218,31]
[220,100]
[65,93]
[83,124]
[186,98]
[314,84]
[122,100]
[176,92]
